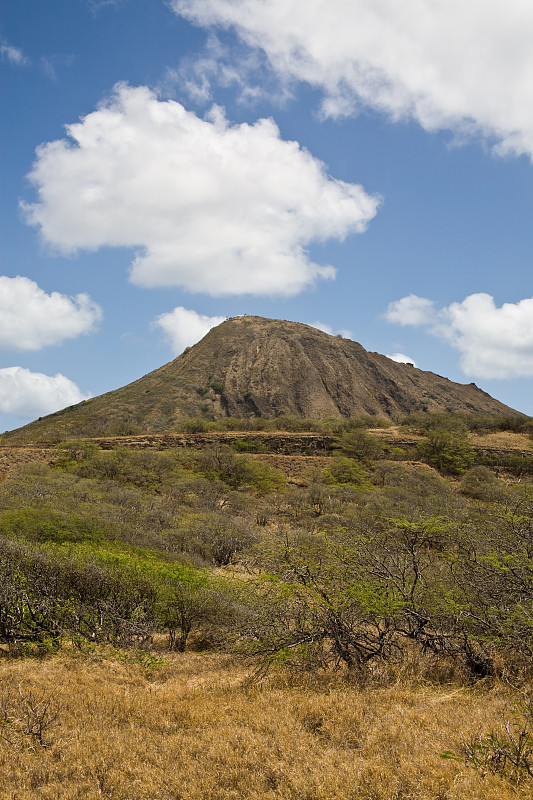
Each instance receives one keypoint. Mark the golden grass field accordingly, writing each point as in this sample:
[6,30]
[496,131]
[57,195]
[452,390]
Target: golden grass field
[192,728]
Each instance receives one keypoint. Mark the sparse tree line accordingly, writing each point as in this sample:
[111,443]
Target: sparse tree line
[370,562]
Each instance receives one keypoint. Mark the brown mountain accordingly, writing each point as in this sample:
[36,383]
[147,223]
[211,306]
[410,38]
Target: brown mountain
[256,367]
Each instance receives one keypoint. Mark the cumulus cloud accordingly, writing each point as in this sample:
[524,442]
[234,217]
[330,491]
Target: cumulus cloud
[209,206]
[184,327]
[31,319]
[13,55]
[448,64]
[401,358]
[323,326]
[411,310]
[494,342]
[32,394]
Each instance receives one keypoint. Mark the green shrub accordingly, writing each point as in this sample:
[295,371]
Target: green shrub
[48,526]
[295,424]
[238,471]
[142,468]
[234,424]
[194,425]
[480,483]
[447,452]
[257,476]
[359,445]
[345,471]
[514,462]
[247,446]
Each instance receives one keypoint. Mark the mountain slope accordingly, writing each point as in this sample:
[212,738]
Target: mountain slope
[256,367]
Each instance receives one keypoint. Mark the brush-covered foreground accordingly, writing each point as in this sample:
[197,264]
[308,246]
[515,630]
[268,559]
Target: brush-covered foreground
[382,606]
[190,727]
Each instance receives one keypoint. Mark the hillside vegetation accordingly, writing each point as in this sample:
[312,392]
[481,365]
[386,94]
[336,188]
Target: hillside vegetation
[223,628]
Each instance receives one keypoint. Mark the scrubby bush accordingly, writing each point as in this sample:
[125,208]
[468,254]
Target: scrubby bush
[295,424]
[448,452]
[457,422]
[239,471]
[247,446]
[430,421]
[194,425]
[359,445]
[46,525]
[215,536]
[145,469]
[481,483]
[342,470]
[115,546]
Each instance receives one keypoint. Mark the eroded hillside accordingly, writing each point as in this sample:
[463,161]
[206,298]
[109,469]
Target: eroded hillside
[256,368]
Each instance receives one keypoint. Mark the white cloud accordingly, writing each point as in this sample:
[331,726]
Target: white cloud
[217,65]
[31,394]
[96,5]
[411,310]
[401,358]
[323,326]
[31,319]
[184,327]
[50,64]
[448,64]
[13,55]
[493,342]
[211,207]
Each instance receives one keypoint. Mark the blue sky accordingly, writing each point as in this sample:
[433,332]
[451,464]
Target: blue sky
[362,166]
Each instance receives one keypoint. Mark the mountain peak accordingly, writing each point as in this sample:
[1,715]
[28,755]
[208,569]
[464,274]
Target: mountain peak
[252,366]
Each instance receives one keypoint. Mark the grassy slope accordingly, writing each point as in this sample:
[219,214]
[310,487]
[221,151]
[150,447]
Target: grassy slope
[191,729]
[188,726]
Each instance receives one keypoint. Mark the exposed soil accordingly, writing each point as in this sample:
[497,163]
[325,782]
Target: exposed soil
[11,458]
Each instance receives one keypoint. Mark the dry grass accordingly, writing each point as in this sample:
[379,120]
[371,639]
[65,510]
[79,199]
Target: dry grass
[499,440]
[502,440]
[191,730]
